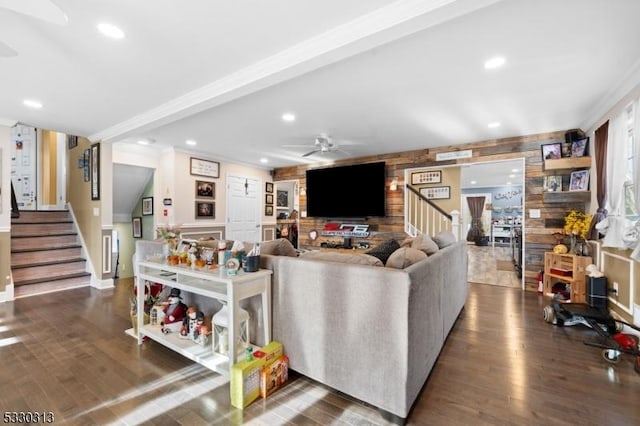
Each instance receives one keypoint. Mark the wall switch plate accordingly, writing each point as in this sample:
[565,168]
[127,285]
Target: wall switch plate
[96,211]
[534,213]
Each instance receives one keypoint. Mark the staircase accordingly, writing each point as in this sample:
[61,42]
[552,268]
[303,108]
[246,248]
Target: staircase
[45,253]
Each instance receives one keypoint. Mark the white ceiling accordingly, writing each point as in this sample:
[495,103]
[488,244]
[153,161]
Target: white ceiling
[379,76]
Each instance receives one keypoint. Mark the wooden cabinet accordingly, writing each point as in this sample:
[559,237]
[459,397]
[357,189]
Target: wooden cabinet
[567,268]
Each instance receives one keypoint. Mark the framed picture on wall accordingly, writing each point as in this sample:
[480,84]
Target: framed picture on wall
[136,225]
[207,168]
[205,189]
[268,187]
[205,210]
[87,165]
[95,171]
[147,206]
[430,176]
[436,192]
[268,198]
[283,199]
[268,210]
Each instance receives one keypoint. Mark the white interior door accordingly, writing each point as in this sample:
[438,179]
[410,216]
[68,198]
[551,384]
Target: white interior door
[243,208]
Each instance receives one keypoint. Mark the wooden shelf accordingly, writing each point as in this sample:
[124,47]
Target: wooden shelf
[567,163]
[571,262]
[566,197]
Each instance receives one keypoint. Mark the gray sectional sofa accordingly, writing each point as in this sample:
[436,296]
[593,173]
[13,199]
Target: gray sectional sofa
[372,332]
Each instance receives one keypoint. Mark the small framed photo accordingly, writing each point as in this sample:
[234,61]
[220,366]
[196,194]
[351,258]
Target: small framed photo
[431,176]
[552,183]
[136,226]
[436,192]
[579,147]
[72,141]
[268,198]
[551,151]
[283,199]
[579,180]
[147,206]
[205,189]
[205,210]
[268,210]
[87,163]
[268,187]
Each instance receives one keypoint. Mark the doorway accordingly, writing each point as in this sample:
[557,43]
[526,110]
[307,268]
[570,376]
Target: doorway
[287,202]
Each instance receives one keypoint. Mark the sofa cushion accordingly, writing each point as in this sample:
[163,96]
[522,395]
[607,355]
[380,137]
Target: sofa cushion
[279,247]
[444,239]
[353,258]
[425,243]
[405,256]
[407,242]
[384,250]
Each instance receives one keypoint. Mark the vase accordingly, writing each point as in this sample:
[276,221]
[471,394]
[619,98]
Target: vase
[574,245]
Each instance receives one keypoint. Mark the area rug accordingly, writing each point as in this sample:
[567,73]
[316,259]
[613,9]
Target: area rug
[504,265]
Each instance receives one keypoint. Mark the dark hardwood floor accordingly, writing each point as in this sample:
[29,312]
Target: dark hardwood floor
[67,353]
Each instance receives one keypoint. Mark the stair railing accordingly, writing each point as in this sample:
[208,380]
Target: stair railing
[423,216]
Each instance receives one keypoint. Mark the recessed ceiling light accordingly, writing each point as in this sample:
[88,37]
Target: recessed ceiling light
[110,30]
[508,183]
[32,104]
[191,142]
[494,63]
[473,182]
[493,125]
[515,170]
[512,176]
[288,117]
[264,160]
[145,141]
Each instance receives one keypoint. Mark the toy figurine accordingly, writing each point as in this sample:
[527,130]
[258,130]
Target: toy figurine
[201,330]
[188,328]
[174,311]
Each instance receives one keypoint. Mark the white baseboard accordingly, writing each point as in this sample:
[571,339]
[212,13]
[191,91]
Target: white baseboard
[102,284]
[7,294]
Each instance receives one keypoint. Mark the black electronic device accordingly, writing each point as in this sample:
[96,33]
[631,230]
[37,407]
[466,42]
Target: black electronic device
[597,292]
[347,191]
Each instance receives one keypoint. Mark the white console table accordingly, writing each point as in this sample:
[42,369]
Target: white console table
[501,231]
[216,284]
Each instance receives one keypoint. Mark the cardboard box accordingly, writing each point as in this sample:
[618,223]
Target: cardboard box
[245,382]
[274,376]
[270,352]
[245,375]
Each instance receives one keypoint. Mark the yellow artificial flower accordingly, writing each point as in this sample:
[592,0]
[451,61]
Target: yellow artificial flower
[577,223]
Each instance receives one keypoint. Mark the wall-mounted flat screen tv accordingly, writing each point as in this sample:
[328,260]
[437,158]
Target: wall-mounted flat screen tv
[347,191]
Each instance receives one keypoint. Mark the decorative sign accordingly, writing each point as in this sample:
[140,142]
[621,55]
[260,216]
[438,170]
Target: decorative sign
[436,193]
[431,176]
[205,168]
[453,155]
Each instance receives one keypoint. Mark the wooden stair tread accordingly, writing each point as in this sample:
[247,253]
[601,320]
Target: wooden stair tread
[47,263]
[33,257]
[51,286]
[36,249]
[50,279]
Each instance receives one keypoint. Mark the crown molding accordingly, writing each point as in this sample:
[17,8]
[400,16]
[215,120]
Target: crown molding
[7,122]
[376,28]
[615,99]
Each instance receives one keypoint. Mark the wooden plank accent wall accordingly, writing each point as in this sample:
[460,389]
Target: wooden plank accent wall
[538,237]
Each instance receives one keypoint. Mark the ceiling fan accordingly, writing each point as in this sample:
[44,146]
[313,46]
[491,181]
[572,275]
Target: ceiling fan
[323,144]
[45,10]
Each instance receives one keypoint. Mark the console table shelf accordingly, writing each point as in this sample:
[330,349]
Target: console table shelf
[215,284]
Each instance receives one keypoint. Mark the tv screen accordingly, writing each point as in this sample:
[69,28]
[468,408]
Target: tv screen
[347,191]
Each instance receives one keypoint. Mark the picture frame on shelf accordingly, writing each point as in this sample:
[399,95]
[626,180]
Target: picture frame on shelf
[205,189]
[579,147]
[551,151]
[552,183]
[147,206]
[436,192]
[205,210]
[206,168]
[282,199]
[136,227]
[268,210]
[95,171]
[429,176]
[579,180]
[268,187]
[268,199]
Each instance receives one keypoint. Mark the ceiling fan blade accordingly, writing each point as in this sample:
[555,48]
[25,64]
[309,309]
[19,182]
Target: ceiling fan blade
[297,146]
[6,51]
[45,10]
[311,152]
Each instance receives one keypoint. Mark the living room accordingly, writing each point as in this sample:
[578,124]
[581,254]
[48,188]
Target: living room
[501,362]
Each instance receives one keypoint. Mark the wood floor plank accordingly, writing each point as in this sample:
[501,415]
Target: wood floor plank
[502,365]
